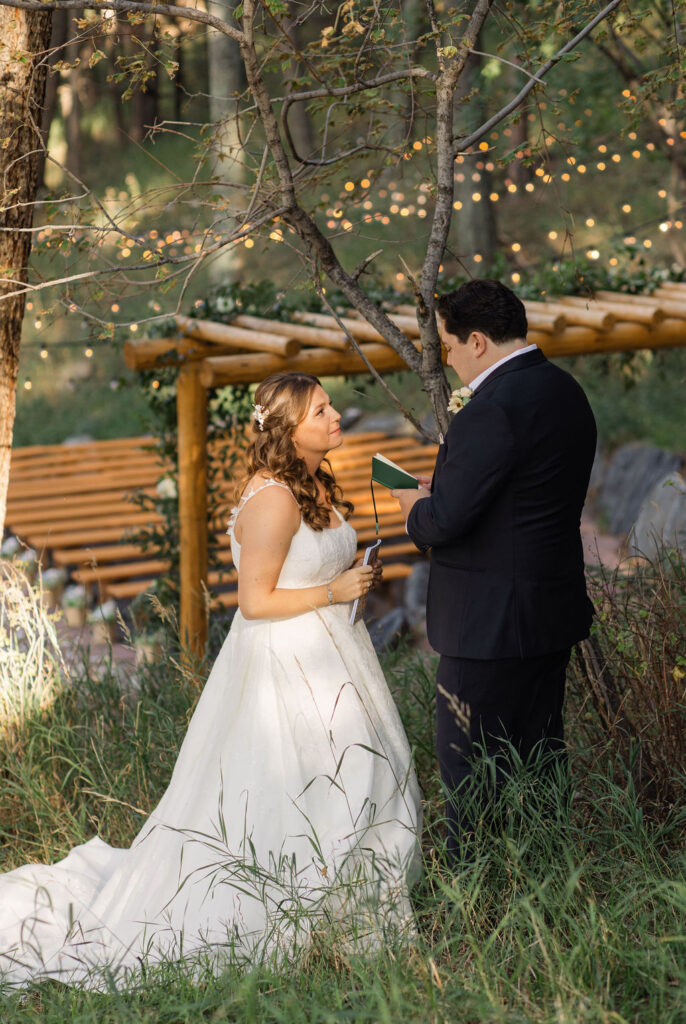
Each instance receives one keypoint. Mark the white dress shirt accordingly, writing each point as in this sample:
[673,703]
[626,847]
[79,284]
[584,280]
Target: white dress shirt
[473,384]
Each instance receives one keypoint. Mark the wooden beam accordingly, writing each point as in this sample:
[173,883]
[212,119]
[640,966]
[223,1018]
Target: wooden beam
[624,337]
[647,313]
[320,337]
[238,337]
[360,329]
[149,353]
[191,409]
[584,315]
[221,370]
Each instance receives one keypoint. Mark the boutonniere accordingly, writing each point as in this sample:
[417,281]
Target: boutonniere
[459,398]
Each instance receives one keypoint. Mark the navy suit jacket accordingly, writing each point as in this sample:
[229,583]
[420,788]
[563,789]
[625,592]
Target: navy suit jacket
[502,521]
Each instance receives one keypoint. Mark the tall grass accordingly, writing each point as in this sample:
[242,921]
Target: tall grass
[632,675]
[566,912]
[31,666]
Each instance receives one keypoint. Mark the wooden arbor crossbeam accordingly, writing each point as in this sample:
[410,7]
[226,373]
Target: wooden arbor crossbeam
[211,355]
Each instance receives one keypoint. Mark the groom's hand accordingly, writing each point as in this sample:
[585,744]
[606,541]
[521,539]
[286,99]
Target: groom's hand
[408,497]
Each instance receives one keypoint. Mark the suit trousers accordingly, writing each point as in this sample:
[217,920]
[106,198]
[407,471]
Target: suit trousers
[493,703]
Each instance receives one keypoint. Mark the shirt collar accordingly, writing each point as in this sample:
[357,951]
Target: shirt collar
[474,384]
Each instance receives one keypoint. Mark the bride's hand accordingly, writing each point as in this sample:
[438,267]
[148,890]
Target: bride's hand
[377,571]
[352,583]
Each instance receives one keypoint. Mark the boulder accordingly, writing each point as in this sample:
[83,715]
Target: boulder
[390,423]
[414,594]
[662,519]
[349,417]
[631,474]
[597,472]
[386,633]
[78,439]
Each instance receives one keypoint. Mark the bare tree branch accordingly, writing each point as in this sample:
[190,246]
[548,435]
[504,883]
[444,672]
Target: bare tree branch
[470,140]
[129,7]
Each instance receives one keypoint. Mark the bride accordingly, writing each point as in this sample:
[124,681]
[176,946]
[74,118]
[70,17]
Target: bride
[293,807]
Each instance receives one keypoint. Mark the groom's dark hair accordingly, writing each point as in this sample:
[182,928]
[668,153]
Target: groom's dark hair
[483,305]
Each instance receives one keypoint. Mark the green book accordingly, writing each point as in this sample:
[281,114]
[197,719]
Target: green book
[388,474]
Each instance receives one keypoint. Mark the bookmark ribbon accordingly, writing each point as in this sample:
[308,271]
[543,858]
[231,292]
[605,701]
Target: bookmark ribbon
[376,517]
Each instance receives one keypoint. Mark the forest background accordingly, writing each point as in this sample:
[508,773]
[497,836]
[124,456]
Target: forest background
[581,187]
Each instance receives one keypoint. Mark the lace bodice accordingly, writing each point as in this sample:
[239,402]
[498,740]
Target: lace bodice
[314,557]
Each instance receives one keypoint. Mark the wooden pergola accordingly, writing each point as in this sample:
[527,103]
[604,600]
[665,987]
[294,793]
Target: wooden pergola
[211,355]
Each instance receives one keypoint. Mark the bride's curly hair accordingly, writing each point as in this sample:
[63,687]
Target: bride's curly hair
[283,400]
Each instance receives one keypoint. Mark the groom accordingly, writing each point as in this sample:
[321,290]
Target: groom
[507,597]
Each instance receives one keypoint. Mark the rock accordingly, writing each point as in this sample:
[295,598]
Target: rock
[414,595]
[428,422]
[78,439]
[349,417]
[597,472]
[632,472]
[386,633]
[391,424]
[662,519]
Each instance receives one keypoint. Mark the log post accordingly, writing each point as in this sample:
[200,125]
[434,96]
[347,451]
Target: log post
[191,411]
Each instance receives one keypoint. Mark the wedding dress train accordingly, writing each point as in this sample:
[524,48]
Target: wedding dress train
[293,805]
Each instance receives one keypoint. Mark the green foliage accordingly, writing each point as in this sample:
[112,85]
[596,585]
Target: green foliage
[632,672]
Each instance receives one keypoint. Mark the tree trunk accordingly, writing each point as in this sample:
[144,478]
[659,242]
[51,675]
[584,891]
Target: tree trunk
[145,104]
[179,80]
[57,39]
[71,108]
[226,81]
[22,87]
[474,223]
[299,119]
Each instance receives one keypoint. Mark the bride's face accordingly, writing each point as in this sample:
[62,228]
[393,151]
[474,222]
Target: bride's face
[320,429]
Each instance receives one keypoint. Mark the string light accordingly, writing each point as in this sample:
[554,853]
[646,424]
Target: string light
[43,352]
[88,353]
[27,385]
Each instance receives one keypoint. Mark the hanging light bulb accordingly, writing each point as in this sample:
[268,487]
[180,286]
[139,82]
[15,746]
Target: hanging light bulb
[43,352]
[28,385]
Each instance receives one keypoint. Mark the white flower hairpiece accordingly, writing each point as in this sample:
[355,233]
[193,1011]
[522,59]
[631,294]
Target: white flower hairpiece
[459,398]
[260,414]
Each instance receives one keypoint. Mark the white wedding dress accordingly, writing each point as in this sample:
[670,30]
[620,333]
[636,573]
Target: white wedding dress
[293,808]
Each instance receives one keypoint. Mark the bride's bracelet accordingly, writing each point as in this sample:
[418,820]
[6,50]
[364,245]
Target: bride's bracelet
[329,593]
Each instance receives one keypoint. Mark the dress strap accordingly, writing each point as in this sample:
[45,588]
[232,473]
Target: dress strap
[269,482]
